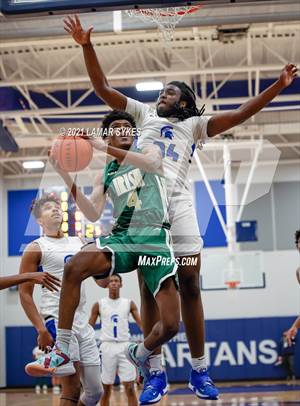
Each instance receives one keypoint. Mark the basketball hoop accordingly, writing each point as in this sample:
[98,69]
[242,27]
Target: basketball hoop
[166,19]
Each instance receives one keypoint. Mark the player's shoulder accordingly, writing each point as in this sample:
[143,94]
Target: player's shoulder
[32,253]
[127,301]
[33,246]
[133,104]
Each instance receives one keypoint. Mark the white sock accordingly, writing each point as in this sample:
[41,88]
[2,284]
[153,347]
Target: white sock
[155,363]
[142,352]
[199,363]
[63,339]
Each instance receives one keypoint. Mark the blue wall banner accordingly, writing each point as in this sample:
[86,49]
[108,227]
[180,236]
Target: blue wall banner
[209,224]
[237,349]
[22,227]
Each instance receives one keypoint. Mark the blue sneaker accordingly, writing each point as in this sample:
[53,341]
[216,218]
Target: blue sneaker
[201,384]
[143,367]
[55,363]
[154,389]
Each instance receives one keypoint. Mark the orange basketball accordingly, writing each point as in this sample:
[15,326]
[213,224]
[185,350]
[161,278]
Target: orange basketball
[72,153]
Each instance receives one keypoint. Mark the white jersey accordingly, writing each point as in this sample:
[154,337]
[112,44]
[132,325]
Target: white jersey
[176,139]
[55,253]
[114,314]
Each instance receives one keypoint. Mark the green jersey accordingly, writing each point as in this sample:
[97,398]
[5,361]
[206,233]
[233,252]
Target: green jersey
[139,198]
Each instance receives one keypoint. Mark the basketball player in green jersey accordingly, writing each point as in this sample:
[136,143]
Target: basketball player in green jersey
[140,238]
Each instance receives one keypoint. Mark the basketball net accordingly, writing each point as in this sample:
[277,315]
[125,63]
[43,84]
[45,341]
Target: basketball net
[232,275]
[166,19]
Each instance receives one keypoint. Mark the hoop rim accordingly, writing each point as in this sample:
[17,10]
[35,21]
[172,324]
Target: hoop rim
[232,284]
[180,12]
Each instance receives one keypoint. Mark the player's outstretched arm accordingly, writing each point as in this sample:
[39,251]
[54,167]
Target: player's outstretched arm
[29,263]
[224,121]
[42,278]
[91,208]
[292,332]
[136,315]
[95,313]
[109,95]
[150,160]
[45,279]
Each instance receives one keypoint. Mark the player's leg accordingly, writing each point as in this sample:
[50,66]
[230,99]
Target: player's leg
[149,316]
[90,377]
[168,305]
[106,395]
[109,367]
[90,261]
[130,393]
[90,373]
[70,388]
[187,245]
[190,298]
[149,309]
[127,374]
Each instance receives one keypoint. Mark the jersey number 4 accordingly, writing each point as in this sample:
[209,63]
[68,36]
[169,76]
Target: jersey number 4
[170,150]
[134,201]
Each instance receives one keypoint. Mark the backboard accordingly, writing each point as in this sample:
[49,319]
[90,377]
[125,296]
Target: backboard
[49,7]
[219,270]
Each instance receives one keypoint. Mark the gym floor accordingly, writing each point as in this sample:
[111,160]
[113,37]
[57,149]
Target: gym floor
[262,393]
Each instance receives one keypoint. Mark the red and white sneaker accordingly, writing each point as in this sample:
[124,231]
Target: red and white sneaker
[55,363]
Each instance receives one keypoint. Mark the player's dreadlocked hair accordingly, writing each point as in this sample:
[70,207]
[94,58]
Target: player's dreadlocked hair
[187,95]
[37,204]
[297,236]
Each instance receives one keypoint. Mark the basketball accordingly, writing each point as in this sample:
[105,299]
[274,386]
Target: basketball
[72,153]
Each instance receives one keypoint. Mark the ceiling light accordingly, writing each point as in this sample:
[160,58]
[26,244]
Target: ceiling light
[33,164]
[144,86]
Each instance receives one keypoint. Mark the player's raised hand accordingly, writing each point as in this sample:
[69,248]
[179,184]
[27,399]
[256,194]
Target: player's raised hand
[288,74]
[56,166]
[74,28]
[291,334]
[97,143]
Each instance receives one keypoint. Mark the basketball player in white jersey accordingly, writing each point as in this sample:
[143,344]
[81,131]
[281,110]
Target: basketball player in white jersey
[292,331]
[51,252]
[178,127]
[114,314]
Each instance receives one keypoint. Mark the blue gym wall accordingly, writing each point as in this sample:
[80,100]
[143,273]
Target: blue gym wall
[22,227]
[239,349]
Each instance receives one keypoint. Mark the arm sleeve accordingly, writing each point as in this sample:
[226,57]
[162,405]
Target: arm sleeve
[200,129]
[138,110]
